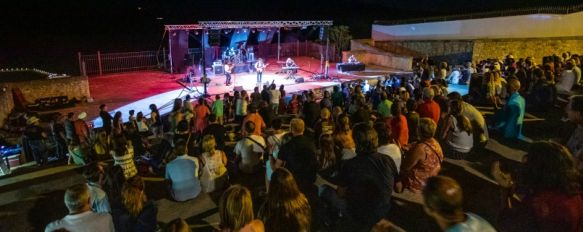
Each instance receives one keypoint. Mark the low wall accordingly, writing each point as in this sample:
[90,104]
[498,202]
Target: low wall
[520,48]
[73,87]
[452,51]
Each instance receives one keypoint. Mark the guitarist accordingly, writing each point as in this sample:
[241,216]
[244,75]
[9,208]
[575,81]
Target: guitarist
[260,67]
[228,71]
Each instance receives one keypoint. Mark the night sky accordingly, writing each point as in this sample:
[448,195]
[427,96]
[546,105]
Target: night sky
[47,34]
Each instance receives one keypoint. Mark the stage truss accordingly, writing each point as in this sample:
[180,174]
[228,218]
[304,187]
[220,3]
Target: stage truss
[216,25]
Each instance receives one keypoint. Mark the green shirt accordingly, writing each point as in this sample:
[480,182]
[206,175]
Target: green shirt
[384,108]
[218,108]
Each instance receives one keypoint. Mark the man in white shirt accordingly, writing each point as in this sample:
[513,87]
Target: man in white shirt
[183,174]
[567,80]
[249,150]
[275,96]
[81,218]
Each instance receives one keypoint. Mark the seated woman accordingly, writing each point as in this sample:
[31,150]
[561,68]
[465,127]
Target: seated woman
[509,120]
[457,132]
[422,161]
[285,208]
[236,211]
[326,157]
[123,155]
[214,170]
[343,138]
[77,154]
[549,192]
[138,213]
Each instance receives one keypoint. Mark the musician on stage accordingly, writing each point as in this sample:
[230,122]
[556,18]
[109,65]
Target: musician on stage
[352,59]
[260,67]
[228,71]
[290,63]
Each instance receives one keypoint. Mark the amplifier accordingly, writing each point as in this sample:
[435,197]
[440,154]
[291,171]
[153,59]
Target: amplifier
[218,69]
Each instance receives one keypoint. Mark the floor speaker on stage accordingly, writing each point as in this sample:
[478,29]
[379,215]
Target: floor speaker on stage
[300,80]
[238,88]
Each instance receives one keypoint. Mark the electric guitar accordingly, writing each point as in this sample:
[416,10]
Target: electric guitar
[261,68]
[228,69]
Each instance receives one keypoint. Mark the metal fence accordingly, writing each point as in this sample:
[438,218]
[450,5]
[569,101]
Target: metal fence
[101,63]
[499,13]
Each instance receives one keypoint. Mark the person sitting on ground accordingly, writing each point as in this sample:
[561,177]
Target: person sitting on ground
[422,161]
[95,176]
[214,170]
[123,155]
[253,116]
[274,143]
[249,150]
[80,217]
[548,192]
[479,126]
[236,211]
[299,156]
[429,108]
[541,94]
[138,213]
[183,173]
[457,132]
[575,141]
[218,108]
[78,154]
[398,125]
[217,130]
[285,207]
[365,183]
[510,119]
[443,201]
[387,145]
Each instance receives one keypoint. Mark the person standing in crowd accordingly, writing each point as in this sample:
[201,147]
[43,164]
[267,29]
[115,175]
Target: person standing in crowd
[398,125]
[299,156]
[118,127]
[274,98]
[274,143]
[241,103]
[156,121]
[35,135]
[285,209]
[253,116]
[384,107]
[443,201]
[202,112]
[95,177]
[337,97]
[311,111]
[255,96]
[510,119]
[59,136]
[80,217]
[214,171]
[547,196]
[422,161]
[182,174]
[429,108]
[217,109]
[412,120]
[249,150]
[293,106]
[138,213]
[457,132]
[105,118]
[343,137]
[227,108]
[69,127]
[82,129]
[236,211]
[326,101]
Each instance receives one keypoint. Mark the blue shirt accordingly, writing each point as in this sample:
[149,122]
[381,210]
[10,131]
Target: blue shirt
[473,223]
[509,120]
[99,201]
[183,172]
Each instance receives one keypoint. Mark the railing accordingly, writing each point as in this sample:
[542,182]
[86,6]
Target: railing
[101,63]
[500,13]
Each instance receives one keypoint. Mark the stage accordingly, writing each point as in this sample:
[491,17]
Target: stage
[144,88]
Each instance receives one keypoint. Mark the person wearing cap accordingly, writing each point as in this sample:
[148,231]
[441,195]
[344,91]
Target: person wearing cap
[35,135]
[81,128]
[429,108]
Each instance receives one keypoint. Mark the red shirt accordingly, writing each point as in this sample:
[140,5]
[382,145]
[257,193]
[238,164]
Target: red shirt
[429,109]
[259,124]
[556,211]
[400,130]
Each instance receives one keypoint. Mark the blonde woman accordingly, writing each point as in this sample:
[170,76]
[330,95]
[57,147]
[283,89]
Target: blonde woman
[214,171]
[138,213]
[236,211]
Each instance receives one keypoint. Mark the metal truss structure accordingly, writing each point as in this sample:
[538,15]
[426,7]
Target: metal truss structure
[214,25]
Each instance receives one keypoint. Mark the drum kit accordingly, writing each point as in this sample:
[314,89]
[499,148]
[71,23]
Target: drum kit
[238,54]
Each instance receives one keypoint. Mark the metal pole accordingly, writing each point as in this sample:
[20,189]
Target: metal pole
[327,45]
[99,63]
[278,42]
[164,57]
[204,78]
[80,64]
[170,54]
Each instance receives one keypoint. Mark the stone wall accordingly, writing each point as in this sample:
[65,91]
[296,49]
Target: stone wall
[73,87]
[452,51]
[519,48]
[365,52]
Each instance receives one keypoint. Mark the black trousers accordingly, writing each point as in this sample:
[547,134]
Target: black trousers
[228,78]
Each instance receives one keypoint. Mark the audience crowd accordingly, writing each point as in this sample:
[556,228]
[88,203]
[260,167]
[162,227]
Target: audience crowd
[332,164]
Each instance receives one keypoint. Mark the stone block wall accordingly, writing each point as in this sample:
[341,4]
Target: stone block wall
[519,48]
[73,87]
[452,51]
[365,52]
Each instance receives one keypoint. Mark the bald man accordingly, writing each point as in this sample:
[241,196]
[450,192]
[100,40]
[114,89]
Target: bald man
[509,120]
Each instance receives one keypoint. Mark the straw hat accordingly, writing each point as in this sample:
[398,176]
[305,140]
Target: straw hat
[82,115]
[32,120]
